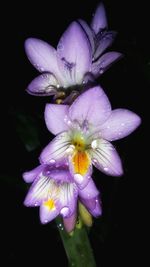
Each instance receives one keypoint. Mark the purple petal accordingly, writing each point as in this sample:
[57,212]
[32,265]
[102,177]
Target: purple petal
[106,159]
[43,85]
[121,123]
[55,151]
[90,34]
[97,211]
[90,191]
[74,53]
[99,21]
[69,223]
[38,191]
[47,215]
[68,199]
[105,40]
[94,113]
[104,62]
[55,118]
[42,56]
[30,176]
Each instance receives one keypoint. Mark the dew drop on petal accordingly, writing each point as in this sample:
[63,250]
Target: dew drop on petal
[64,211]
[101,70]
[105,169]
[78,178]
[95,160]
[52,161]
[45,221]
[94,144]
[36,204]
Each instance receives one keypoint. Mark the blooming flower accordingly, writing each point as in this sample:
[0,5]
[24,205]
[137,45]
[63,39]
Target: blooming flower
[84,131]
[55,192]
[100,39]
[76,60]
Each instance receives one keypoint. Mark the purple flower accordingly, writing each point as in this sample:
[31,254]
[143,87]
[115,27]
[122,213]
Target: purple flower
[76,59]
[84,131]
[55,192]
[100,39]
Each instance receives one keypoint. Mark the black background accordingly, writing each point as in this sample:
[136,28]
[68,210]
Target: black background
[117,237]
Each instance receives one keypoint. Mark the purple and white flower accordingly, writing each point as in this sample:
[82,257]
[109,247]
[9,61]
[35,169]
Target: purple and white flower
[83,134]
[55,192]
[76,60]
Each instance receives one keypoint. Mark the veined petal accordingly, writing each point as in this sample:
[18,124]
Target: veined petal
[47,215]
[121,123]
[55,118]
[56,149]
[42,56]
[75,54]
[104,62]
[30,176]
[106,158]
[99,21]
[90,191]
[105,40]
[68,199]
[90,34]
[38,191]
[43,85]
[95,112]
[69,223]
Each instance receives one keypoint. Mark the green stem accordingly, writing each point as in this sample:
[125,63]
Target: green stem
[77,246]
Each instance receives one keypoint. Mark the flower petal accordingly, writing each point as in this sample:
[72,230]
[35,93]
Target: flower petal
[104,62]
[99,21]
[38,191]
[90,191]
[55,118]
[106,39]
[56,149]
[42,56]
[106,159]
[93,205]
[98,208]
[121,123]
[69,223]
[94,113]
[30,176]
[74,53]
[43,85]
[90,34]
[68,198]
[47,215]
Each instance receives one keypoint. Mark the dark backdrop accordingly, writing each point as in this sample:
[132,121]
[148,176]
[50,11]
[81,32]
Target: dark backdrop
[117,237]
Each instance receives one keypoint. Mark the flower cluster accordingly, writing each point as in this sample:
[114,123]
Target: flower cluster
[84,129]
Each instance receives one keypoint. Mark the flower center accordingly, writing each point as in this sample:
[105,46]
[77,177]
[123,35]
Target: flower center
[50,204]
[80,159]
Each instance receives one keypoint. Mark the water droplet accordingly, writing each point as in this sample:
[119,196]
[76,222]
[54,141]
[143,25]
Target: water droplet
[94,144]
[36,204]
[105,169]
[78,178]
[60,46]
[122,124]
[64,211]
[101,70]
[95,161]
[45,221]
[41,69]
[52,161]
[57,85]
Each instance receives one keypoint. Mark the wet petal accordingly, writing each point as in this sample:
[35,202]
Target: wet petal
[90,191]
[104,62]
[55,118]
[68,199]
[99,21]
[43,85]
[30,176]
[104,41]
[90,34]
[42,56]
[69,223]
[94,113]
[106,159]
[74,53]
[56,150]
[38,191]
[47,215]
[97,211]
[121,123]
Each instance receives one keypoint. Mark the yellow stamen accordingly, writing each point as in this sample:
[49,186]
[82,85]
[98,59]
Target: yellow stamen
[50,204]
